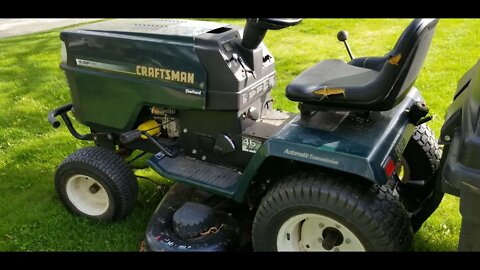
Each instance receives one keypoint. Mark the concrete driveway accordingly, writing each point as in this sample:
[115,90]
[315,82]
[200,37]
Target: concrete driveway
[17,27]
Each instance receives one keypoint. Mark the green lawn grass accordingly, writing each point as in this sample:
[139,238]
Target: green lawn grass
[31,83]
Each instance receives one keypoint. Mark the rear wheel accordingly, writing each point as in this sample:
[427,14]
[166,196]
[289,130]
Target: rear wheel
[318,212]
[419,190]
[96,183]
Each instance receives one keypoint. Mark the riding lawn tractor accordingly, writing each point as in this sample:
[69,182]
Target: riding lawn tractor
[353,171]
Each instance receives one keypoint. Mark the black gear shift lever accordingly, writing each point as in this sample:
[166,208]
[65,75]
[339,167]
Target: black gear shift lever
[343,36]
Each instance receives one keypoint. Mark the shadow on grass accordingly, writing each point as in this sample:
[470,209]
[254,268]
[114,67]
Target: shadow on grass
[33,217]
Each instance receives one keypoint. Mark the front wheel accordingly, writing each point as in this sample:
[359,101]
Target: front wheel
[319,212]
[96,183]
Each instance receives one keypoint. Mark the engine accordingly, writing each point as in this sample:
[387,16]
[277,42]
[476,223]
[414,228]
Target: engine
[167,120]
[115,69]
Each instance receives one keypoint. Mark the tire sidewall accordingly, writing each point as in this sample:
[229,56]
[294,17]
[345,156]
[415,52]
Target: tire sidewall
[68,170]
[420,167]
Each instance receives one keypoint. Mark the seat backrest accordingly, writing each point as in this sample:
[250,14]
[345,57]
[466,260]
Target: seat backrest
[406,60]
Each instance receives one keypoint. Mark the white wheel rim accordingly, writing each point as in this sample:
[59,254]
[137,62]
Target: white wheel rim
[87,194]
[306,232]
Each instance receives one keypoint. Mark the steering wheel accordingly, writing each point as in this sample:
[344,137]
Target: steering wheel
[274,23]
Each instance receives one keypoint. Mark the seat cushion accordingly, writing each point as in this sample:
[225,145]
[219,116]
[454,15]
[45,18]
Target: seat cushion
[329,74]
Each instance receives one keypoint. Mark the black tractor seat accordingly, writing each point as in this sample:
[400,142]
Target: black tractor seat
[369,83]
[320,82]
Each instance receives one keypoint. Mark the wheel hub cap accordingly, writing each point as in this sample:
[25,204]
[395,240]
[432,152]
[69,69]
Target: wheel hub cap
[315,232]
[87,194]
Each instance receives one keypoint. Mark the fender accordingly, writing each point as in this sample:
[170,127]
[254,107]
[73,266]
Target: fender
[460,136]
[339,141]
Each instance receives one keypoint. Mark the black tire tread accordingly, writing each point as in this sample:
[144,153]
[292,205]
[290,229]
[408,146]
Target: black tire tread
[372,208]
[425,138]
[424,151]
[118,175]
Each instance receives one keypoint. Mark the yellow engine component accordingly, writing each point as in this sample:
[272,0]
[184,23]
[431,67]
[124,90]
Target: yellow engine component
[151,127]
